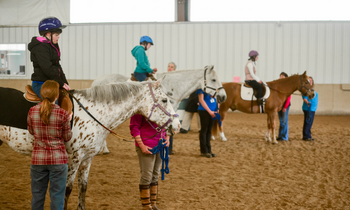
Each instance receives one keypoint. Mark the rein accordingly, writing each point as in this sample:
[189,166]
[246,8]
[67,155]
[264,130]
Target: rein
[112,132]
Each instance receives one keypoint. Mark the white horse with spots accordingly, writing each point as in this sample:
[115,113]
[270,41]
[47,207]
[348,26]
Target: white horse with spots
[178,84]
[111,105]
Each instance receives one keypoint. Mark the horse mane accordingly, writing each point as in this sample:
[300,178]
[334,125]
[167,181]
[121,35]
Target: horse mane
[283,79]
[116,92]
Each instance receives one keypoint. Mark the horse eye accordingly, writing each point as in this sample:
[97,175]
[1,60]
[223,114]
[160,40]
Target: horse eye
[213,80]
[164,100]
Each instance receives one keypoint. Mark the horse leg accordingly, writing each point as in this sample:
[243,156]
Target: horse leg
[105,149]
[83,175]
[221,128]
[273,127]
[72,171]
[267,135]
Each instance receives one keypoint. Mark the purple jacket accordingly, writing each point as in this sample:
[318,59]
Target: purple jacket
[139,126]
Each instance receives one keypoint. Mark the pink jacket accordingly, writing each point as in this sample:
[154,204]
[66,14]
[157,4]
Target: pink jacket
[139,126]
[287,102]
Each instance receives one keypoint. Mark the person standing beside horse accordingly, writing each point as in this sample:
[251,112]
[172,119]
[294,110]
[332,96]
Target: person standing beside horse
[143,68]
[146,137]
[50,126]
[309,109]
[171,67]
[283,116]
[206,110]
[251,78]
[45,55]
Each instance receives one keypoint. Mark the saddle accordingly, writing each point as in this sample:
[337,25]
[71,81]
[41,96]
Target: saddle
[149,77]
[248,93]
[63,99]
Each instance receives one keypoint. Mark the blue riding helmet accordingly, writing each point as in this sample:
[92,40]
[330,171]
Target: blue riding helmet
[146,39]
[49,24]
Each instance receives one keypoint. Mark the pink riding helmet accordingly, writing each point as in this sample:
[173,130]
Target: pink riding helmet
[252,53]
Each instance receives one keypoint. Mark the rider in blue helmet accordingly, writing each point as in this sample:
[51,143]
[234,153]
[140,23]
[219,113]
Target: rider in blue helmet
[45,55]
[143,68]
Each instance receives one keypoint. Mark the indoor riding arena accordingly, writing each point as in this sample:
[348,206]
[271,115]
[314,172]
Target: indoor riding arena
[248,172]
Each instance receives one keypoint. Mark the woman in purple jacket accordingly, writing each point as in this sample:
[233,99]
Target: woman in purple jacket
[150,164]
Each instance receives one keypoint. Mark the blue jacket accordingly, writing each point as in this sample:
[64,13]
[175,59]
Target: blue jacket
[143,65]
[211,102]
[313,103]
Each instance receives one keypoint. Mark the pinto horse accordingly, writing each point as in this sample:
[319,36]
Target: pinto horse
[280,89]
[111,105]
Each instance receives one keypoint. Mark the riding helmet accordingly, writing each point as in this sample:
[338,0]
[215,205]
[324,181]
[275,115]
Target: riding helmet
[50,24]
[146,39]
[252,53]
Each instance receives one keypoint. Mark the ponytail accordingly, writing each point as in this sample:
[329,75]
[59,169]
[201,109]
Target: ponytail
[49,92]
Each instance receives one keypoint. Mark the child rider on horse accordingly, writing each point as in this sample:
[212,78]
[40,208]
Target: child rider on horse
[250,76]
[45,55]
[142,69]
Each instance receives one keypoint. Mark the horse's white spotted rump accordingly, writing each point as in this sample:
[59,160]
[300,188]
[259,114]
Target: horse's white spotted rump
[109,104]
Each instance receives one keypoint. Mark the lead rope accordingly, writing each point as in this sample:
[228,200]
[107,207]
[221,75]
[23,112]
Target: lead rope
[164,155]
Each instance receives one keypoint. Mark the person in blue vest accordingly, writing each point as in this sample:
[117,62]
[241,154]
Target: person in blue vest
[206,110]
[309,109]
[143,68]
[45,55]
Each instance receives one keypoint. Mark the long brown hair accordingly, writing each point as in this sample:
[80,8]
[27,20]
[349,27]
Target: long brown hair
[49,92]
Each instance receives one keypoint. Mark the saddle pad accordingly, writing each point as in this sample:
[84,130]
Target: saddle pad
[247,93]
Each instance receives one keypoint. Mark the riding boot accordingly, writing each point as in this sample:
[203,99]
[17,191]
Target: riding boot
[154,192]
[260,101]
[145,197]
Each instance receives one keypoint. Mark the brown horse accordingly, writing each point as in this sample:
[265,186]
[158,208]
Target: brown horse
[279,91]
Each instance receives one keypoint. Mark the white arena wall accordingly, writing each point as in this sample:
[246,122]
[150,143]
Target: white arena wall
[322,48]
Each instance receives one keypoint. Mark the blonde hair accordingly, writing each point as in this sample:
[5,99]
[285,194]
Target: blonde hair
[49,92]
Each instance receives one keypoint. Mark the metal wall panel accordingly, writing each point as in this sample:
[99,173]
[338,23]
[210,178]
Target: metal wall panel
[92,50]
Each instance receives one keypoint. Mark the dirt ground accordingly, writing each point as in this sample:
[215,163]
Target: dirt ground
[248,172]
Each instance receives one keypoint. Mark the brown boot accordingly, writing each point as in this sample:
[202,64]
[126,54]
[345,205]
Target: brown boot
[145,197]
[154,192]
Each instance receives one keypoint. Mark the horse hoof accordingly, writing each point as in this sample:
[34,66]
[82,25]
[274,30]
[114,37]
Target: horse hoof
[223,138]
[213,138]
[0,142]
[105,153]
[274,142]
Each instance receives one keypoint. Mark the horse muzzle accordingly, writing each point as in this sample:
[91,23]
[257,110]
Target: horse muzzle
[221,98]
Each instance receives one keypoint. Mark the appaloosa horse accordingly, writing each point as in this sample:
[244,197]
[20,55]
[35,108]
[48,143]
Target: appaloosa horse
[111,105]
[179,84]
[279,91]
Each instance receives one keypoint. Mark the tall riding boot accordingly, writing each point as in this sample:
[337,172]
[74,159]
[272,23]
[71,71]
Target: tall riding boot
[145,197]
[154,192]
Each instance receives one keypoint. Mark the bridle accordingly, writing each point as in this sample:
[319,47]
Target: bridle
[205,84]
[303,86]
[156,104]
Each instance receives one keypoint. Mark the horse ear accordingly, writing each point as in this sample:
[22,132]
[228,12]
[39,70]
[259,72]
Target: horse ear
[158,82]
[209,67]
[304,72]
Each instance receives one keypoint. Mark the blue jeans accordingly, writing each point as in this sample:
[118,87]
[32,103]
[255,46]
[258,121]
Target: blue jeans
[284,128]
[308,121]
[140,76]
[41,175]
[36,88]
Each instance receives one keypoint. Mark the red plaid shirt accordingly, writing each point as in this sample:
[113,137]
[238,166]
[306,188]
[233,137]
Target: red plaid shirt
[49,140]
